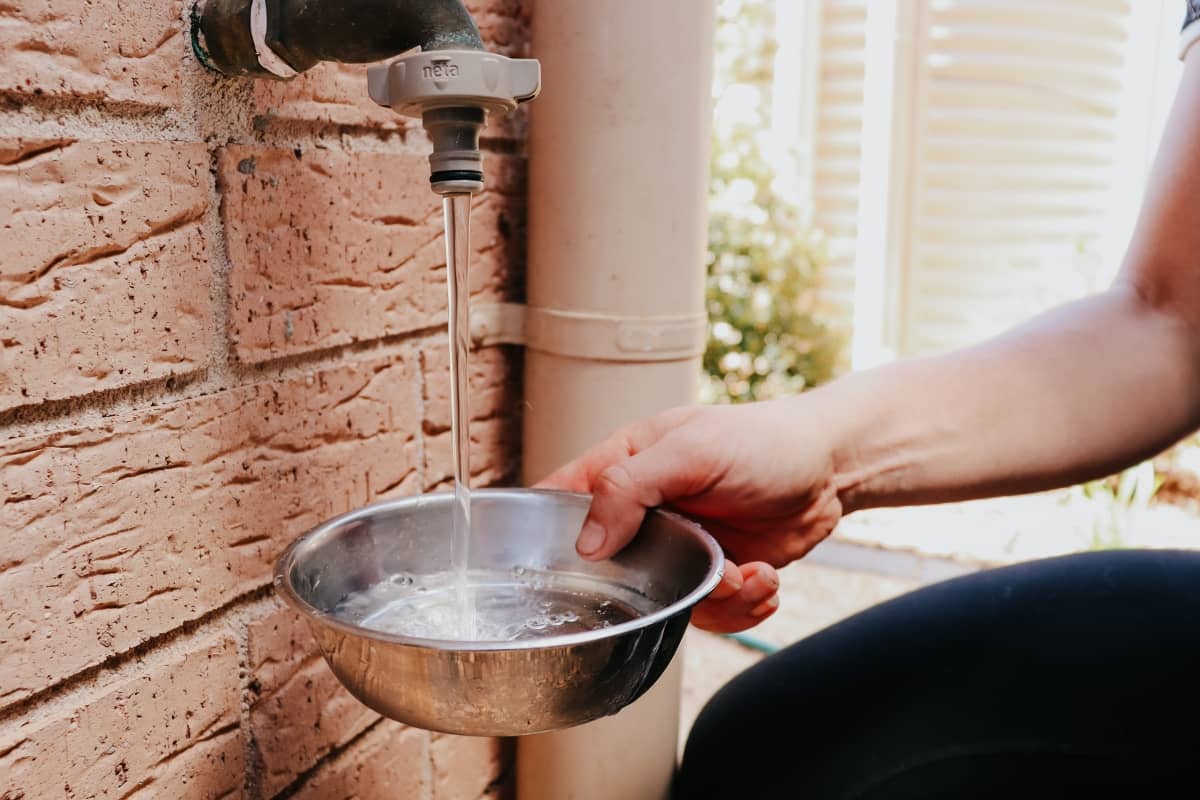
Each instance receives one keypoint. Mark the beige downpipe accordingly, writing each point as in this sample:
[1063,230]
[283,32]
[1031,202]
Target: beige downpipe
[618,182]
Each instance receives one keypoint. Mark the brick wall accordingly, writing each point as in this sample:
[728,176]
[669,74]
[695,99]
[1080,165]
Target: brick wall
[222,310]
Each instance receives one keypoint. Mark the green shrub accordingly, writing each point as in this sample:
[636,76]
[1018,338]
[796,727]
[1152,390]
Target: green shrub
[767,335]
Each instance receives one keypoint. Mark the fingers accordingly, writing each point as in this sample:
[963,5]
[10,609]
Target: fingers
[731,583]
[580,474]
[638,467]
[743,547]
[623,492]
[729,611]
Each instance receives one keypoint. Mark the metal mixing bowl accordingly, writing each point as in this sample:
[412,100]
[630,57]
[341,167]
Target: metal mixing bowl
[507,688]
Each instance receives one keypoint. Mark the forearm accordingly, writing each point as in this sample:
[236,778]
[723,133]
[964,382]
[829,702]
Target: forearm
[1078,393]
[1075,394]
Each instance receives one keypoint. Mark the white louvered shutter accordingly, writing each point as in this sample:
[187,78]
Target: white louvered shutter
[1014,145]
[1019,136]
[837,141]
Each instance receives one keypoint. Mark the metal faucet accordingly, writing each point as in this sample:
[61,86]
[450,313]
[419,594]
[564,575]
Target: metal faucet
[442,75]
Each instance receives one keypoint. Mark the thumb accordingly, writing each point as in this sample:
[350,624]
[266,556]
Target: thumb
[622,493]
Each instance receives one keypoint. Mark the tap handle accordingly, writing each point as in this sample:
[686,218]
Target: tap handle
[420,81]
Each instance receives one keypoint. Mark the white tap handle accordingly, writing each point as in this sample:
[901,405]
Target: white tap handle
[419,81]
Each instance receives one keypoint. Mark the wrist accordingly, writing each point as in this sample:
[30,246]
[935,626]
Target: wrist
[860,459]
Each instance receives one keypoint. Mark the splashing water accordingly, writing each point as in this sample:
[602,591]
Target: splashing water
[508,606]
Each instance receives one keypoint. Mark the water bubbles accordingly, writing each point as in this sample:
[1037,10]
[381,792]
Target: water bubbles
[509,605]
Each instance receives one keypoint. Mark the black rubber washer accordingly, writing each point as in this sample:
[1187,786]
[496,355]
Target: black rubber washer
[456,175]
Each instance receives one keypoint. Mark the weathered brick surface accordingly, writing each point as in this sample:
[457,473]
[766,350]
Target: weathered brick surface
[138,525]
[328,93]
[465,766]
[299,711]
[171,731]
[329,247]
[388,762]
[494,404]
[104,279]
[118,532]
[494,388]
[494,459]
[118,50]
[503,24]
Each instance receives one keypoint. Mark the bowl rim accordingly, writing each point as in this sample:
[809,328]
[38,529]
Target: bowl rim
[284,589]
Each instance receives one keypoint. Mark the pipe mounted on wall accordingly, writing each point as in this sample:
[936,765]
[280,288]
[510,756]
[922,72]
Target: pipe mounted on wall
[279,38]
[618,187]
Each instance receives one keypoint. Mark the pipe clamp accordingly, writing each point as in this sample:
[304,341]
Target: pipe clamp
[591,335]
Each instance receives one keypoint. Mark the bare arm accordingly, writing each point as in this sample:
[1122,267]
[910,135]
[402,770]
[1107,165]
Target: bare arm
[1077,393]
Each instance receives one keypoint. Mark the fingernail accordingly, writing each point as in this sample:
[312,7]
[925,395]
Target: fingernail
[765,607]
[591,538]
[735,580]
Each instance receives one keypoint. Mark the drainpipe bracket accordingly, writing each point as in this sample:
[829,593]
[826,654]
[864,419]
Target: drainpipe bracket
[497,323]
[590,335]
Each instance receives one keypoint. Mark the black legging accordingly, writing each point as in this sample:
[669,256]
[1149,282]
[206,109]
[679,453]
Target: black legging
[1069,677]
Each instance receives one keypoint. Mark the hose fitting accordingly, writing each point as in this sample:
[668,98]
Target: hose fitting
[452,92]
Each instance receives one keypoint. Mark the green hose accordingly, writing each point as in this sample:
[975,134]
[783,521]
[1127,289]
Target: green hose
[753,642]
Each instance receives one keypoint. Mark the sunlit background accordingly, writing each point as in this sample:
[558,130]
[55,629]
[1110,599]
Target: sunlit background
[896,179]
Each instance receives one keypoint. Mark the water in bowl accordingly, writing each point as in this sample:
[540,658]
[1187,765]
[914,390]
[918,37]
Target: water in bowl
[508,606]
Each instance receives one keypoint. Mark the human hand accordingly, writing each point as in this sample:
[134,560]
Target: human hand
[759,477]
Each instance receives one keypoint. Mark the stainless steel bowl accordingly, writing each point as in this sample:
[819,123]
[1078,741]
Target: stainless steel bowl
[501,688]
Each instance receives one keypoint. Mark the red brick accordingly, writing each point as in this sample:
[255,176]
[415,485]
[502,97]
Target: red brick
[104,280]
[330,247]
[464,766]
[126,529]
[299,711]
[495,407]
[513,126]
[117,50]
[170,731]
[494,387]
[389,761]
[503,24]
[329,93]
[495,459]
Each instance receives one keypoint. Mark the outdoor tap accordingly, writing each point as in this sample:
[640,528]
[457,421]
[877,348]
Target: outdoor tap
[452,92]
[443,75]
[280,38]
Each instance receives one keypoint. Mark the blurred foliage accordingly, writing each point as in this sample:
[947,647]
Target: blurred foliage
[767,334]
[1116,498]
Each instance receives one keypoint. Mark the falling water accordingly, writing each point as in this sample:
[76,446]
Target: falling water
[485,605]
[457,210]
